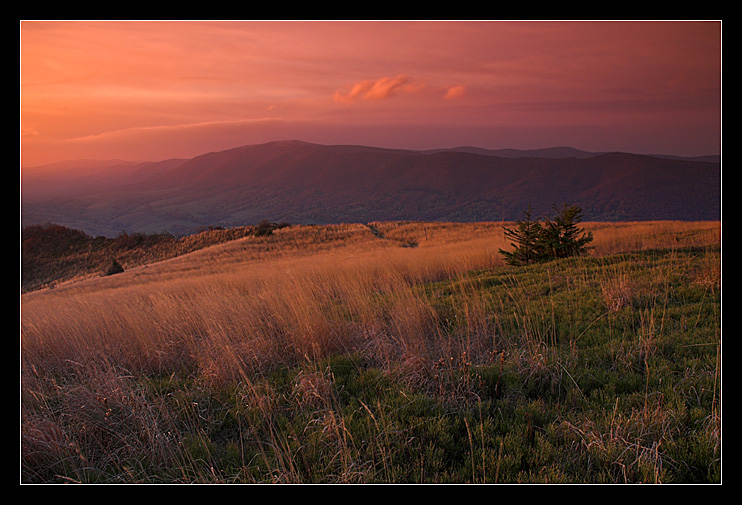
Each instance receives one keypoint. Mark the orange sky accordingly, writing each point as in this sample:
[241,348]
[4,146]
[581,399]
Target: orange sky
[156,90]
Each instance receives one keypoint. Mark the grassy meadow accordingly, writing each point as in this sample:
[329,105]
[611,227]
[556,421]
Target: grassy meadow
[400,352]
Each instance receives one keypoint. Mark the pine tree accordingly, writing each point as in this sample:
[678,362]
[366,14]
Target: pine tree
[536,241]
[561,238]
[525,241]
[114,268]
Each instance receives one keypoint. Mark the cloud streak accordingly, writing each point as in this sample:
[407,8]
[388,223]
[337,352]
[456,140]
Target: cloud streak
[454,92]
[378,89]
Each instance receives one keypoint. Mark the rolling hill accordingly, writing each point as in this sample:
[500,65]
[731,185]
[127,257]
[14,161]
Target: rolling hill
[304,183]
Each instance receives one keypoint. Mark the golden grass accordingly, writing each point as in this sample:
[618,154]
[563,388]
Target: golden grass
[231,313]
[302,293]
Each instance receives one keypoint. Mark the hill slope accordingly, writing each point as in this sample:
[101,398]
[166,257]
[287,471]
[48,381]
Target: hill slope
[309,183]
[331,354]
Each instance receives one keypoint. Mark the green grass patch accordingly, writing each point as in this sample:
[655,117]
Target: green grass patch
[583,370]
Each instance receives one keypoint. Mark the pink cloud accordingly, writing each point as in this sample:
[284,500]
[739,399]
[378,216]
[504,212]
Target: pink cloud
[454,92]
[378,89]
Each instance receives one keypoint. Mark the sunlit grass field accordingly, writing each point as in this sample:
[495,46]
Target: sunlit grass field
[383,353]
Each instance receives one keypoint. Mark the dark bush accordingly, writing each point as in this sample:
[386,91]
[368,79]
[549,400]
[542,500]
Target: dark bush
[114,268]
[536,241]
[265,228]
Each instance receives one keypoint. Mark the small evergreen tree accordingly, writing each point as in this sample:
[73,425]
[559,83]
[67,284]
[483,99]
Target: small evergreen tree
[537,241]
[525,239]
[114,268]
[561,237]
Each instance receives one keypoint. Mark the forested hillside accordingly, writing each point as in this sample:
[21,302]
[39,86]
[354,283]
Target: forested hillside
[306,183]
[52,253]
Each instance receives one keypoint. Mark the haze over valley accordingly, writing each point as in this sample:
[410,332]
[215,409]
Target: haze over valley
[303,183]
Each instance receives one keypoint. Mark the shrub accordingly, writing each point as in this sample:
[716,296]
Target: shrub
[264,228]
[544,240]
[114,268]
[526,241]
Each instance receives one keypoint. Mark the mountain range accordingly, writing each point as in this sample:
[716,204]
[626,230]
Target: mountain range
[304,183]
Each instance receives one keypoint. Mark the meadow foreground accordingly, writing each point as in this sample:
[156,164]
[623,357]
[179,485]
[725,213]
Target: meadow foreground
[383,353]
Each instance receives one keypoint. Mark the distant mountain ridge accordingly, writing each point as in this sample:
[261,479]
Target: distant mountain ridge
[301,182]
[549,152]
[560,152]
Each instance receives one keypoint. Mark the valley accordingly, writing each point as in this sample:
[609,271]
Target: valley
[303,183]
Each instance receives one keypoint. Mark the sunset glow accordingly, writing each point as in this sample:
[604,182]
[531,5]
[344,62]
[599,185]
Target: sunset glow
[148,91]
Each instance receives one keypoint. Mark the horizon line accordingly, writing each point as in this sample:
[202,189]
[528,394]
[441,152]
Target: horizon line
[415,150]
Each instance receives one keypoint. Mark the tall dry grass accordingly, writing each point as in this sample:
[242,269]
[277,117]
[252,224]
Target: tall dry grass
[298,294]
[302,293]
[234,312]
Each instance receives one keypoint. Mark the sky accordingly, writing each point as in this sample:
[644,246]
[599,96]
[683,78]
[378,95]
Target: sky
[154,90]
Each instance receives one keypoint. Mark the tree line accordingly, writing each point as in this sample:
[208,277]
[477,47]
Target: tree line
[543,239]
